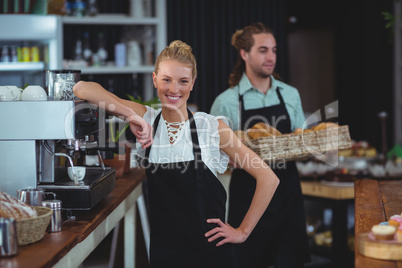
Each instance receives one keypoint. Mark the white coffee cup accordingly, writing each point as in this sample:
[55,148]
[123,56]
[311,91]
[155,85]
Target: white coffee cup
[79,172]
[6,94]
[16,91]
[34,93]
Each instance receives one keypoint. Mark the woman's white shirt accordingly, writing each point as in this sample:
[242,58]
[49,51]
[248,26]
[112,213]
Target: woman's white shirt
[182,150]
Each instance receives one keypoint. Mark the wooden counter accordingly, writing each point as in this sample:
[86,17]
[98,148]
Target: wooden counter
[375,202]
[318,189]
[80,237]
[338,198]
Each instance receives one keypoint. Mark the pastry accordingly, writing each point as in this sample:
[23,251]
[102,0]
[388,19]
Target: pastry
[240,134]
[394,223]
[262,130]
[298,130]
[396,217]
[383,232]
[10,207]
[324,125]
[258,133]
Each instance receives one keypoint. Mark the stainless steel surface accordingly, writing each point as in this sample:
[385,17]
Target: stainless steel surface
[17,165]
[93,176]
[37,120]
[33,196]
[92,189]
[35,133]
[59,83]
[56,221]
[8,237]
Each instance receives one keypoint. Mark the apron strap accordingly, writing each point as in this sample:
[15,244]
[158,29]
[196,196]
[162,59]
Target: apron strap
[279,95]
[155,127]
[199,166]
[241,109]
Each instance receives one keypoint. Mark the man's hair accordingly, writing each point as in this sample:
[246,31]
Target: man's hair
[243,39]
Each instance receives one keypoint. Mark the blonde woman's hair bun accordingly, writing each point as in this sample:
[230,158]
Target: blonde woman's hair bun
[178,51]
[180,45]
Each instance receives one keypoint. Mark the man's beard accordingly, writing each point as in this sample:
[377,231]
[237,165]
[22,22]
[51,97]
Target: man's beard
[260,72]
[263,74]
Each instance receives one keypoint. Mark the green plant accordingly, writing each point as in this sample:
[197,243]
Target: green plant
[151,102]
[390,20]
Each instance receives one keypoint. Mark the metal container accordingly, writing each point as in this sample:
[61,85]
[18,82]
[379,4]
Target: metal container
[8,237]
[59,83]
[32,196]
[56,220]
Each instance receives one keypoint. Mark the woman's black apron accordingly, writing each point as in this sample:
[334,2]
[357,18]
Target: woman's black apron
[182,196]
[280,237]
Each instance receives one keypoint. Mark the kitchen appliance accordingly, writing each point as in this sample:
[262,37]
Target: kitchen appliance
[59,83]
[39,140]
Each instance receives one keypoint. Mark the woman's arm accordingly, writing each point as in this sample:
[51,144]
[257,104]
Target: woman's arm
[266,184]
[132,112]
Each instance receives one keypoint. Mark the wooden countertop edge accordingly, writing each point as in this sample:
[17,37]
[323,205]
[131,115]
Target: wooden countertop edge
[318,189]
[137,174]
[73,232]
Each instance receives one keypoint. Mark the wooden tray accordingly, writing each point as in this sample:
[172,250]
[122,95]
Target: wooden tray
[383,250]
[301,146]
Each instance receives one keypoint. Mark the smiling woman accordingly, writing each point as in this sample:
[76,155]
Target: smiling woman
[174,83]
[182,155]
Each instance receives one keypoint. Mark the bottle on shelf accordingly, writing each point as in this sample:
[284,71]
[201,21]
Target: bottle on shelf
[35,53]
[92,9]
[148,42]
[87,52]
[69,6]
[79,8]
[13,54]
[5,56]
[26,52]
[78,50]
[102,52]
[110,85]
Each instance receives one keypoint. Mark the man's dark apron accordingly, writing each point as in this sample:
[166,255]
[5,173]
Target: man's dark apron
[182,196]
[280,236]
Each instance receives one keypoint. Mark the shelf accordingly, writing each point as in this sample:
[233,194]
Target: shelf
[116,19]
[22,66]
[117,70]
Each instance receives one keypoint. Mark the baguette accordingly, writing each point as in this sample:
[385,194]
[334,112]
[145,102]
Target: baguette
[10,207]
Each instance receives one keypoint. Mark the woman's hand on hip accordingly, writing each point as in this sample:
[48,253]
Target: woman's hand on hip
[227,232]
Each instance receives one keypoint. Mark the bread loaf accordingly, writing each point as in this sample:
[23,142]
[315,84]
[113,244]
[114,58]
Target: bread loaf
[324,125]
[10,207]
[262,130]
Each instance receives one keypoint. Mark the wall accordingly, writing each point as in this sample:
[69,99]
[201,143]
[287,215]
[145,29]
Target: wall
[311,67]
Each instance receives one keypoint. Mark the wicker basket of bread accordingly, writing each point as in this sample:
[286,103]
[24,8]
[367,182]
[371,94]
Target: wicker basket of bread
[270,144]
[31,222]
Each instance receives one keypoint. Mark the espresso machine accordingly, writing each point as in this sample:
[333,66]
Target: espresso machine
[39,140]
